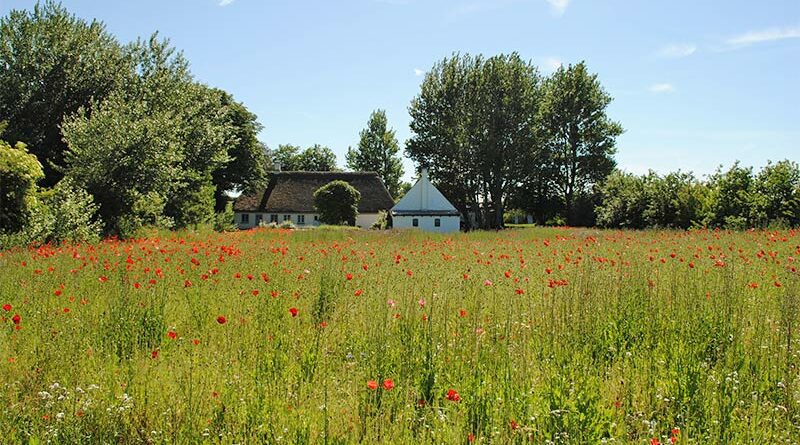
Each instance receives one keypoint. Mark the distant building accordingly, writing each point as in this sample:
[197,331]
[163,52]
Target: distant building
[290,197]
[425,207]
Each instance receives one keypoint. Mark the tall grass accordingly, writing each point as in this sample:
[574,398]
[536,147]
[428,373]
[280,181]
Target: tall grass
[537,335]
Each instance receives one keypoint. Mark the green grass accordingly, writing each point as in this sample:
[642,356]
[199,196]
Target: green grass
[546,335]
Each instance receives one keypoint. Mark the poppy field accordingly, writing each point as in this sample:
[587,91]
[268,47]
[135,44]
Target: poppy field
[342,336]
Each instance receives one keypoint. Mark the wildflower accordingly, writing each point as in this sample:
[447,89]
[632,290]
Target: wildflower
[358,292]
[391,303]
[16,319]
[470,437]
[154,354]
[388,384]
[421,302]
[172,335]
[513,424]
[103,279]
[196,341]
[453,396]
[7,307]
[221,319]
[349,276]
[372,384]
[293,311]
[462,313]
[187,283]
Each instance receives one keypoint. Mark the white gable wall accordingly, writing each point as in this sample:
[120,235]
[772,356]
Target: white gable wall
[447,223]
[424,196]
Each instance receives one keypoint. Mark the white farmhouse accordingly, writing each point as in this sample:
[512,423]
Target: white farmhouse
[426,208]
[290,197]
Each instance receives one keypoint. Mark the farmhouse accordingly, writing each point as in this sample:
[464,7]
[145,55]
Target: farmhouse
[426,208]
[290,197]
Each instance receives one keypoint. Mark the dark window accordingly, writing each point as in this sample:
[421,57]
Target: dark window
[259,218]
[287,217]
[301,219]
[316,217]
[245,218]
[415,222]
[273,218]
[437,222]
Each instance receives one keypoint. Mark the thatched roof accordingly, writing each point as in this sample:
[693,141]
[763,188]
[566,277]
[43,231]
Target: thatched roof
[293,192]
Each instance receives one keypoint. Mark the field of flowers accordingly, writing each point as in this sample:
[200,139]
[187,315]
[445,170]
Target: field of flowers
[332,336]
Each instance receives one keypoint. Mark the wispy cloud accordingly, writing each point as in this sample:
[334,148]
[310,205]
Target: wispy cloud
[418,72]
[675,51]
[765,35]
[661,88]
[550,64]
[225,2]
[558,6]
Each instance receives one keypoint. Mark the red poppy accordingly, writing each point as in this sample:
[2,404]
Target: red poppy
[470,437]
[103,279]
[358,292]
[187,283]
[57,292]
[453,396]
[221,319]
[462,313]
[172,334]
[196,341]
[349,276]
[154,354]
[293,311]
[513,424]
[372,384]
[388,384]
[654,441]
[16,319]
[7,307]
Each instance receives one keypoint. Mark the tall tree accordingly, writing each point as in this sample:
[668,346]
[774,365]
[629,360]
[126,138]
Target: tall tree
[474,127]
[377,151]
[286,155]
[247,164]
[51,64]
[578,135]
[147,152]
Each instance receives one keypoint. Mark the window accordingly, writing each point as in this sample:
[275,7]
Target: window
[437,222]
[273,218]
[245,218]
[316,217]
[259,218]
[287,217]
[415,222]
[301,219]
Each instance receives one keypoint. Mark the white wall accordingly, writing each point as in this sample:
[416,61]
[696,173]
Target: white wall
[448,223]
[364,220]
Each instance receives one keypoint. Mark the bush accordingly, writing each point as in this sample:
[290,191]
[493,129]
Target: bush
[337,203]
[287,225]
[19,172]
[223,221]
[382,222]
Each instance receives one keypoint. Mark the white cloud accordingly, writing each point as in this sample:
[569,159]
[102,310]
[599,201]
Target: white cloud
[675,51]
[558,6]
[418,72]
[225,2]
[662,88]
[765,35]
[550,64]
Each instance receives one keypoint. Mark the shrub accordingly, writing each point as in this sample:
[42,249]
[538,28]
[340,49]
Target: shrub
[337,203]
[382,222]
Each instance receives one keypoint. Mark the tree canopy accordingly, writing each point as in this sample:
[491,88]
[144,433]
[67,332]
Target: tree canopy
[337,203]
[377,151]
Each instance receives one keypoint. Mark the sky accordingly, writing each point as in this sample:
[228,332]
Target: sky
[696,84]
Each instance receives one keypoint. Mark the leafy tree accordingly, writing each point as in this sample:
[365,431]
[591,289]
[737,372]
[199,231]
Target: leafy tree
[287,156]
[147,152]
[579,137]
[70,215]
[337,203]
[623,201]
[775,190]
[247,164]
[730,196]
[474,127]
[317,158]
[19,172]
[377,151]
[52,64]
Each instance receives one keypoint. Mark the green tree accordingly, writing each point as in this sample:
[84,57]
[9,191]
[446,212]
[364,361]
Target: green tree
[377,151]
[624,201]
[286,155]
[579,138]
[730,197]
[316,158]
[52,64]
[337,203]
[247,164]
[474,127]
[775,190]
[147,152]
[19,172]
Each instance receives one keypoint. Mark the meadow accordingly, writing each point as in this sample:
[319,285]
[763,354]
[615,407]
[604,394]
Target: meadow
[331,336]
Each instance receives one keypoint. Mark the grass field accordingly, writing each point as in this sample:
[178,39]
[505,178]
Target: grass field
[522,336]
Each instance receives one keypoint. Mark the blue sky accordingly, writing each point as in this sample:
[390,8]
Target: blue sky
[696,83]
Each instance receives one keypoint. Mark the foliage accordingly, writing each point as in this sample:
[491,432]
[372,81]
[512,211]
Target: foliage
[474,128]
[51,64]
[73,215]
[19,172]
[146,153]
[382,221]
[224,221]
[337,203]
[579,138]
[377,151]
[316,158]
